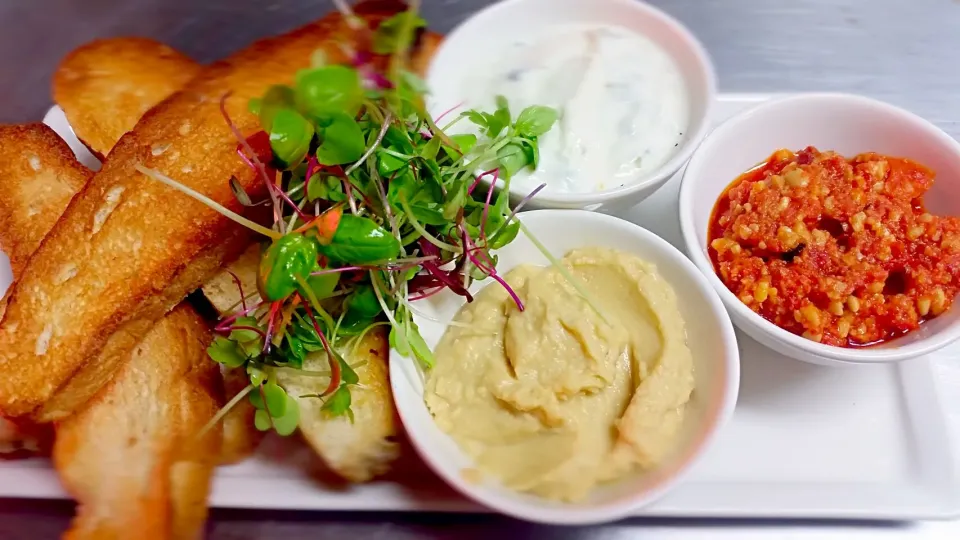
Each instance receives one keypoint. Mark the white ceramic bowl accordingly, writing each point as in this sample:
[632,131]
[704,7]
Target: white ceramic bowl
[471,44]
[710,337]
[849,125]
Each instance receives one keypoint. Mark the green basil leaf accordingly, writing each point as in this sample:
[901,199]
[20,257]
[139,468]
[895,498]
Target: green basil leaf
[414,83]
[275,98]
[329,90]
[456,198]
[342,141]
[353,324]
[295,350]
[531,149]
[325,188]
[290,137]
[397,32]
[412,344]
[256,399]
[431,149]
[347,374]
[419,347]
[315,347]
[476,117]
[536,120]
[466,142]
[226,352]
[339,403]
[257,376]
[363,301]
[275,399]
[243,334]
[398,140]
[262,420]
[512,158]
[505,235]
[287,423]
[388,163]
[324,284]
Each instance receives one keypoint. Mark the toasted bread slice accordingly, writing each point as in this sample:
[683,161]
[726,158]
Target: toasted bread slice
[38,176]
[132,457]
[129,248]
[112,417]
[358,450]
[106,86]
[365,446]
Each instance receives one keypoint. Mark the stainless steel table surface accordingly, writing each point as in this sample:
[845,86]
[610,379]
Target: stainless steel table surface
[905,52]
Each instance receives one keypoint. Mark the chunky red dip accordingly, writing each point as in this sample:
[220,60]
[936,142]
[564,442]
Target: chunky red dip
[840,251]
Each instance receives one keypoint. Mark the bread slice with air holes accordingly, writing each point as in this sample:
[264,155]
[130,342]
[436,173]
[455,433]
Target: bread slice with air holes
[89,444]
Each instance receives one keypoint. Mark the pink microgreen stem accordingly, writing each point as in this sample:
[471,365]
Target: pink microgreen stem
[254,160]
[236,279]
[331,357]
[337,270]
[486,207]
[448,111]
[286,198]
[501,281]
[348,190]
[274,309]
[229,320]
[242,327]
[489,270]
[413,261]
[481,175]
[426,294]
[522,203]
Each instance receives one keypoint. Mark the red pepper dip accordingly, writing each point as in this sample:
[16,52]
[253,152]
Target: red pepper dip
[839,251]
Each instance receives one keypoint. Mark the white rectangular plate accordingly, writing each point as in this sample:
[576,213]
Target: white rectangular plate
[868,442]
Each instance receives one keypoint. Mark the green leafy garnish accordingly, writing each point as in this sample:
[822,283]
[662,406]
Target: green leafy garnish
[339,403]
[397,32]
[515,144]
[375,207]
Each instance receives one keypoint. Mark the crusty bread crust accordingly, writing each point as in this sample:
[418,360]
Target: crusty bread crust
[112,419]
[131,457]
[121,255]
[39,175]
[106,86]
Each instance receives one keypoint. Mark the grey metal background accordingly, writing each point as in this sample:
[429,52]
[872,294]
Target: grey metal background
[903,51]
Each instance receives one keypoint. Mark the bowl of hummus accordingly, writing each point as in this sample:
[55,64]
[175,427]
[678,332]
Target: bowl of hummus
[581,387]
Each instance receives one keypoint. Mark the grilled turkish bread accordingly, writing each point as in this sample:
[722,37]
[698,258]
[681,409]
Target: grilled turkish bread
[357,450]
[38,177]
[104,88]
[128,248]
[147,417]
[131,457]
[107,85]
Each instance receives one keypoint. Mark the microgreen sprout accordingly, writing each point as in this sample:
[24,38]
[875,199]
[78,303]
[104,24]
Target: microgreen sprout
[374,207]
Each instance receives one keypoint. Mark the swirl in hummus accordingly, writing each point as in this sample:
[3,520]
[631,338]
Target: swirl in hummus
[554,400]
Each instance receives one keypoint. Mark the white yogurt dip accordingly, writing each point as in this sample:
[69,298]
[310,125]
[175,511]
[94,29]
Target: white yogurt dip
[623,104]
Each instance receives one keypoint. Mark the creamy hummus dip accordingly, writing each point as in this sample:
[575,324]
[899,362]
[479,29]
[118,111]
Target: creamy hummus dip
[560,397]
